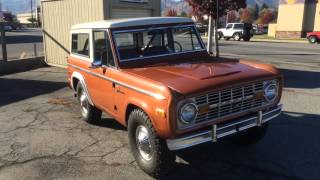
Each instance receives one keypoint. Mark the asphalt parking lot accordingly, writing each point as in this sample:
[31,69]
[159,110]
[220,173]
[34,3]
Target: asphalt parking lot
[43,137]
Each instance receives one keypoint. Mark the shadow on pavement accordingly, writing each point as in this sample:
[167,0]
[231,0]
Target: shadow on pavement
[301,79]
[21,65]
[14,90]
[110,123]
[291,144]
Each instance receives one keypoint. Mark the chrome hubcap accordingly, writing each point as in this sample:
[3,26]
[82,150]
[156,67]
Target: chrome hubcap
[143,142]
[84,103]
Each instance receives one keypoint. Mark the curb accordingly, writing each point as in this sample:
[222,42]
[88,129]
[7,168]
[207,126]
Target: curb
[273,40]
[279,41]
[21,65]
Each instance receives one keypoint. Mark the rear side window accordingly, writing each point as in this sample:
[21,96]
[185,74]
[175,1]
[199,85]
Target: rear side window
[80,44]
[238,26]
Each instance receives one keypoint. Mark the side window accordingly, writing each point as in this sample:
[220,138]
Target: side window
[238,26]
[80,44]
[229,26]
[102,48]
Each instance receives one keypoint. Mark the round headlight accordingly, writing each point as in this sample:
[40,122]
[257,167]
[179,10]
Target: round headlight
[188,113]
[271,91]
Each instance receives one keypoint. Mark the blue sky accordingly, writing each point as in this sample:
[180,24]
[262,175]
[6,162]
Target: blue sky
[17,6]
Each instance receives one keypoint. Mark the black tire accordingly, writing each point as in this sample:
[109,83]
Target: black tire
[236,36]
[247,39]
[161,158]
[91,114]
[251,136]
[313,39]
[220,35]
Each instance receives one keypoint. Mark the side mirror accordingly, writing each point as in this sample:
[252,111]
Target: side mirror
[96,64]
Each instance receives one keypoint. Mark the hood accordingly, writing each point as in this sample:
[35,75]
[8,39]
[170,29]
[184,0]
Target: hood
[189,78]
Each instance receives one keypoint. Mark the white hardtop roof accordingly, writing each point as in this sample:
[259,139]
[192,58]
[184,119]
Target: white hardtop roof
[115,23]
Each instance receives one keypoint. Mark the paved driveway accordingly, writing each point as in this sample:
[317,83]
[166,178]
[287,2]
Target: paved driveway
[43,137]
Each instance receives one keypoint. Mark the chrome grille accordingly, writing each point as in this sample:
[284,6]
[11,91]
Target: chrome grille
[229,101]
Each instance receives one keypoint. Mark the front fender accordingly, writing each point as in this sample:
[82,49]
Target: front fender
[160,124]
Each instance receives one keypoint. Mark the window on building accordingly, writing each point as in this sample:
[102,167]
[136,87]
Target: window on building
[80,44]
[102,48]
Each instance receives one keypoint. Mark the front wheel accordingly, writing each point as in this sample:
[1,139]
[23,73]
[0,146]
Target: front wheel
[150,151]
[251,136]
[312,39]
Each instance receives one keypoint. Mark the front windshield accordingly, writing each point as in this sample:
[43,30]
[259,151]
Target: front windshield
[151,42]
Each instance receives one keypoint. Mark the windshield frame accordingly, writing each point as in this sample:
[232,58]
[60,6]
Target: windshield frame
[192,26]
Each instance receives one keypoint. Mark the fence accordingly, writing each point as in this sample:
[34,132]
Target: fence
[20,43]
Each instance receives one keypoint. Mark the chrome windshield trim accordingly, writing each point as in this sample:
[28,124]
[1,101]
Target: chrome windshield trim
[162,55]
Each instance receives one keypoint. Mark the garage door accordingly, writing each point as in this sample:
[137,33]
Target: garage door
[130,13]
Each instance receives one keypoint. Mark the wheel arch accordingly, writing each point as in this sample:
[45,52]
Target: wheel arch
[77,78]
[132,105]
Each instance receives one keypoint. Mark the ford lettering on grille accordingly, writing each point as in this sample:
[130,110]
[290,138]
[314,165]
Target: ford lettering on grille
[230,101]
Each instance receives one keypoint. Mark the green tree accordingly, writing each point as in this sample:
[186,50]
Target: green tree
[256,11]
[264,6]
[183,14]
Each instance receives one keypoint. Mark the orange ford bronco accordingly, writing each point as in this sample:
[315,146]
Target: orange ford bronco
[154,76]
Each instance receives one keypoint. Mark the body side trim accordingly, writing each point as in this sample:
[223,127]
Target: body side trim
[155,95]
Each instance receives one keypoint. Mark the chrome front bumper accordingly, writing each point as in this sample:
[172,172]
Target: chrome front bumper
[224,129]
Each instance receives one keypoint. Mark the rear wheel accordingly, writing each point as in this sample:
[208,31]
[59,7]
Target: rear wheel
[150,151]
[312,39]
[236,36]
[251,136]
[89,113]
[246,39]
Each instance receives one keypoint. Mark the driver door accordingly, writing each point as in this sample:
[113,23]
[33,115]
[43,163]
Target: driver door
[103,58]
[229,30]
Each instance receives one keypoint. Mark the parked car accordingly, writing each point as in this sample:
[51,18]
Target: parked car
[202,28]
[258,29]
[237,31]
[313,37]
[154,76]
[8,28]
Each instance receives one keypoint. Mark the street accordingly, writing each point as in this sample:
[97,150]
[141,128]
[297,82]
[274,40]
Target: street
[299,54]
[42,135]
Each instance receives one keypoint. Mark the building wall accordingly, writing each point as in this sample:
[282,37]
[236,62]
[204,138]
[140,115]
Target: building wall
[23,18]
[125,9]
[297,17]
[290,20]
[317,18]
[58,18]
[60,15]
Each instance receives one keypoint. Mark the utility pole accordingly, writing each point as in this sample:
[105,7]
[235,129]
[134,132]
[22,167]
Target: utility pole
[32,21]
[216,30]
[3,43]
